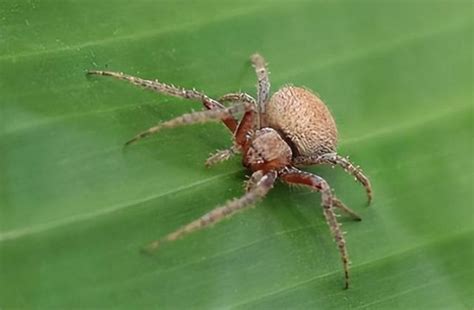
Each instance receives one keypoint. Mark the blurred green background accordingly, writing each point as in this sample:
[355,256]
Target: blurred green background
[76,208]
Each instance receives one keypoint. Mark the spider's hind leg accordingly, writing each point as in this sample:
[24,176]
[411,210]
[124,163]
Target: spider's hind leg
[295,176]
[345,163]
[339,204]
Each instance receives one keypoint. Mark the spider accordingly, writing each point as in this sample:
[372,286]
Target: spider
[275,135]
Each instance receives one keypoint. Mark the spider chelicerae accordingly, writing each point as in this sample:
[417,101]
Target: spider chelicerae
[276,134]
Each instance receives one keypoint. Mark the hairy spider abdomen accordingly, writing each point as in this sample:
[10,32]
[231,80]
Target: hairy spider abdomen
[267,151]
[303,119]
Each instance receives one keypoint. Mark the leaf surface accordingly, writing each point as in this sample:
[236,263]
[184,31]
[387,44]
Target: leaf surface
[76,207]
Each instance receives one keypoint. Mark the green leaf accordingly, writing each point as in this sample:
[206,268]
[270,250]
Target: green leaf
[76,208]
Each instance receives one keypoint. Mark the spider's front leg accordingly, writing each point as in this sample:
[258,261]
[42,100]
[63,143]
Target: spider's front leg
[234,98]
[238,97]
[172,90]
[263,86]
[193,118]
[295,176]
[252,182]
[335,159]
[263,81]
[222,155]
[264,184]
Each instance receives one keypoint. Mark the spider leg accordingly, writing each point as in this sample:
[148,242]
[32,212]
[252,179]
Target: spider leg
[263,82]
[293,175]
[238,97]
[221,155]
[339,204]
[345,163]
[253,180]
[263,86]
[172,90]
[243,98]
[246,127]
[191,118]
[230,208]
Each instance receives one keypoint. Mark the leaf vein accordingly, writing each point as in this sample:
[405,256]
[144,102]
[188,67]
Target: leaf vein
[135,36]
[18,233]
[365,264]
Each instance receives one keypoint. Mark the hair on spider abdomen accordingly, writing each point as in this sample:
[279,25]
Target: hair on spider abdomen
[304,119]
[275,134]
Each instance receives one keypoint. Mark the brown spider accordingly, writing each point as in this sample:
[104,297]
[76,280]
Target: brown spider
[292,128]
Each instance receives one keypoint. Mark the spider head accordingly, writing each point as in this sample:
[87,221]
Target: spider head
[267,151]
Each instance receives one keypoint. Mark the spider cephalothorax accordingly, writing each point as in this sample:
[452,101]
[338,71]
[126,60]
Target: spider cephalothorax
[265,150]
[292,128]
